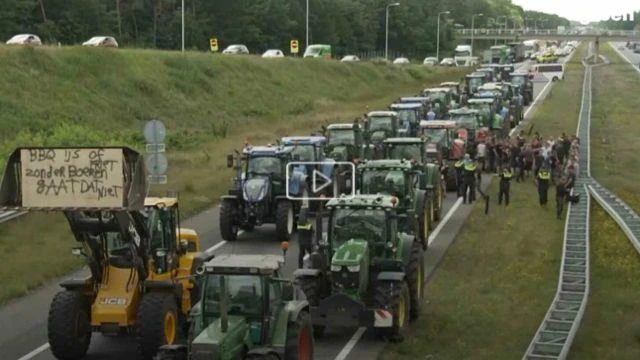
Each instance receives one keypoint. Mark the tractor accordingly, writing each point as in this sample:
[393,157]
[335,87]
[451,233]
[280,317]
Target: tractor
[409,115]
[345,144]
[525,86]
[443,98]
[366,271]
[455,89]
[471,120]
[502,71]
[488,72]
[486,106]
[380,125]
[422,100]
[473,82]
[416,149]
[262,192]
[452,147]
[140,259]
[404,179]
[249,311]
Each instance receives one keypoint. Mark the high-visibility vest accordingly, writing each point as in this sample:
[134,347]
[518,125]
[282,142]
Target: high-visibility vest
[304,227]
[470,167]
[507,174]
[544,175]
[459,164]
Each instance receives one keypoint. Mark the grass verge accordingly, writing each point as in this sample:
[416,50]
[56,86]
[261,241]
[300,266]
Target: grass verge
[210,104]
[611,327]
[494,286]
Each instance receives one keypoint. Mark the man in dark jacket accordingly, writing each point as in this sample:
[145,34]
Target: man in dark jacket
[305,232]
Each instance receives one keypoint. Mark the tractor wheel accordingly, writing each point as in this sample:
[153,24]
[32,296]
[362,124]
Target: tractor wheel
[415,278]
[311,289]
[285,220]
[299,345]
[157,322]
[437,216]
[228,226]
[432,214]
[393,296]
[69,325]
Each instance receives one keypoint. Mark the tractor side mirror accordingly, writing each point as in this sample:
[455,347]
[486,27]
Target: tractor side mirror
[229,161]
[184,246]
[287,291]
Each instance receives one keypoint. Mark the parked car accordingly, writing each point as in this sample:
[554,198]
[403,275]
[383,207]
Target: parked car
[25,39]
[401,61]
[349,58]
[101,41]
[273,53]
[237,49]
[430,61]
[448,62]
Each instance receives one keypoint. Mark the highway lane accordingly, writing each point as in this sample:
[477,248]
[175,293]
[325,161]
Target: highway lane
[632,57]
[26,338]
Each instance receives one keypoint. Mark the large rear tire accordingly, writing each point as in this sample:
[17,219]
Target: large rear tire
[311,289]
[393,296]
[69,325]
[228,224]
[285,220]
[157,323]
[415,279]
[299,345]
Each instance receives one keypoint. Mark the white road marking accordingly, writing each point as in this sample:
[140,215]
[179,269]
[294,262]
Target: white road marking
[35,352]
[342,355]
[624,57]
[444,221]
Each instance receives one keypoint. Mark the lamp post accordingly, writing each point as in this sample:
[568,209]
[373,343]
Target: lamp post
[473,18]
[386,36]
[438,34]
[182,25]
[500,25]
[307,39]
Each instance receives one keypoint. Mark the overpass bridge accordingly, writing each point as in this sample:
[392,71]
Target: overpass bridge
[522,34]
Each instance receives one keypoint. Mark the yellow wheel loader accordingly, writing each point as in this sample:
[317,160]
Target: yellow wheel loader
[141,262]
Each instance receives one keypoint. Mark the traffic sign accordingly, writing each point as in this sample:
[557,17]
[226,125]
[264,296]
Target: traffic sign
[152,148]
[155,132]
[294,46]
[213,44]
[157,164]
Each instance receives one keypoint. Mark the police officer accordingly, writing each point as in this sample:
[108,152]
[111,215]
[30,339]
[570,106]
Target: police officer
[505,185]
[469,188]
[305,235]
[543,179]
[459,166]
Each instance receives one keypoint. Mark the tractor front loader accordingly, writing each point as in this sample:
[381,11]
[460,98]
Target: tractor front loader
[248,311]
[141,261]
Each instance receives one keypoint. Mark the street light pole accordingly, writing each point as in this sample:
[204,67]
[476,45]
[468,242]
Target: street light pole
[182,25]
[473,18]
[438,34]
[307,41]
[386,34]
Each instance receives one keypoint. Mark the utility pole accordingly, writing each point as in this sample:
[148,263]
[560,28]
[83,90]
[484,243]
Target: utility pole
[473,17]
[386,33]
[182,25]
[307,41]
[438,35]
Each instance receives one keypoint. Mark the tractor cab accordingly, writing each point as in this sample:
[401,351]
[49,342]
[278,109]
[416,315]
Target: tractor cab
[486,106]
[440,132]
[488,72]
[471,120]
[455,89]
[409,116]
[344,141]
[501,71]
[309,150]
[410,148]
[425,102]
[493,90]
[524,85]
[473,82]
[380,125]
[441,99]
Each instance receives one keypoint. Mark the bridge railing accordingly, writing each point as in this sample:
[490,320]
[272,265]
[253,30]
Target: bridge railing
[505,32]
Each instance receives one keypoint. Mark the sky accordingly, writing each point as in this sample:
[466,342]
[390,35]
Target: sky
[583,11]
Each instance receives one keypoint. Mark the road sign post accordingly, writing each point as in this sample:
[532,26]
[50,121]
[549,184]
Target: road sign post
[156,162]
[213,44]
[294,47]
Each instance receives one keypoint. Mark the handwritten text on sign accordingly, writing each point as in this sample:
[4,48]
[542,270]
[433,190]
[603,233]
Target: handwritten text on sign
[88,177]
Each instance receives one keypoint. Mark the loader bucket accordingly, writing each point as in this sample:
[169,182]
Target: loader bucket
[74,178]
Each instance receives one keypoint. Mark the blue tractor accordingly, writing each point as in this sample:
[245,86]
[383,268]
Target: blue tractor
[259,194]
[310,150]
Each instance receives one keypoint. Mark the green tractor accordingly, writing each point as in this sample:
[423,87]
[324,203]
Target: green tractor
[487,107]
[442,96]
[524,84]
[248,311]
[345,144]
[366,271]
[416,149]
[473,82]
[405,180]
[380,125]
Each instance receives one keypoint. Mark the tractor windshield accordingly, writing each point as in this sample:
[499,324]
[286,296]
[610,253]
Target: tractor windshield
[474,82]
[407,116]
[517,80]
[482,107]
[434,135]
[383,181]
[306,152]
[380,123]
[342,137]
[264,165]
[437,96]
[468,121]
[358,223]
[406,151]
[244,294]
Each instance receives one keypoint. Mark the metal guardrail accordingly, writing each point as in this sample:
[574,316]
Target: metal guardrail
[9,215]
[504,32]
[554,337]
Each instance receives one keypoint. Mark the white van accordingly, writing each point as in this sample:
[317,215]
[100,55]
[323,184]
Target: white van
[552,72]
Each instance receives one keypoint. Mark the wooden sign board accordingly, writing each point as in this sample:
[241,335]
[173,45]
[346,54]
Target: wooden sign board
[74,177]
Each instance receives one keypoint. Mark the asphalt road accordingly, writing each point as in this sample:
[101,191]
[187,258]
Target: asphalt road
[629,54]
[23,335]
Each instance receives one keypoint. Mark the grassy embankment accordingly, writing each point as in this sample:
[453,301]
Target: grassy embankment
[497,280]
[611,327]
[210,105]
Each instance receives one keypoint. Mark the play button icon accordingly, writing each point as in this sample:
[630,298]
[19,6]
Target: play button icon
[319,181]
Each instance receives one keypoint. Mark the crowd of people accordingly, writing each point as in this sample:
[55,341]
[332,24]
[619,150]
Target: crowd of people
[553,162]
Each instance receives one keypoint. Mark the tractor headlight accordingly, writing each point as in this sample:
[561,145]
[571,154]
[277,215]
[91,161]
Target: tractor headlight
[336,267]
[355,268]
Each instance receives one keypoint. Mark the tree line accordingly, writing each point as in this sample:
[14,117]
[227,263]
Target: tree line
[350,26]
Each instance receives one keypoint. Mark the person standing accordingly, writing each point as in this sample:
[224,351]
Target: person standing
[305,234]
[469,188]
[481,153]
[459,166]
[561,195]
[542,181]
[505,186]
